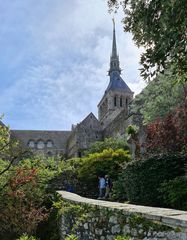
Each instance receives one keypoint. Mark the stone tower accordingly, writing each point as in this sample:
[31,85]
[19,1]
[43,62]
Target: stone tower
[117,95]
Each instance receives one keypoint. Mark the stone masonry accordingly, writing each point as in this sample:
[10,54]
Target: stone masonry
[105,220]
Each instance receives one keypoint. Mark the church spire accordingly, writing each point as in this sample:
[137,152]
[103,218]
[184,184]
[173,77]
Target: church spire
[114,59]
[114,47]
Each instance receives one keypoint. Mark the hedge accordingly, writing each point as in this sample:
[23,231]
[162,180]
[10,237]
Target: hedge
[141,179]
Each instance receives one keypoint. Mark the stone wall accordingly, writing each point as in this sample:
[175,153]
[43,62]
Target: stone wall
[118,125]
[90,219]
[85,133]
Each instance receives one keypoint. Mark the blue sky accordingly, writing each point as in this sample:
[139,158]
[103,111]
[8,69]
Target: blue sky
[54,61]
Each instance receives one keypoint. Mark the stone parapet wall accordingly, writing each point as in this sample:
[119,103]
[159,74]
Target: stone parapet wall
[103,220]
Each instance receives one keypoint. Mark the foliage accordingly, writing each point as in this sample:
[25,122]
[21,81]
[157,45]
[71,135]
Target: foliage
[74,216]
[123,238]
[71,237]
[108,162]
[82,173]
[160,27]
[51,226]
[175,193]
[141,179]
[131,129]
[108,143]
[10,149]
[159,97]
[168,134]
[25,237]
[23,195]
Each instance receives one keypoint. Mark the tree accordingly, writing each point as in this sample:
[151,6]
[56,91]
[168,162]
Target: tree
[10,149]
[23,188]
[168,134]
[108,143]
[159,97]
[24,196]
[160,27]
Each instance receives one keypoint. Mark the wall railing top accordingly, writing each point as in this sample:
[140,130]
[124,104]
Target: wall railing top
[170,217]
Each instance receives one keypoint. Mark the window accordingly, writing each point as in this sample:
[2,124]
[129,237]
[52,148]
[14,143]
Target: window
[115,101]
[49,154]
[31,144]
[40,144]
[121,102]
[49,144]
[126,102]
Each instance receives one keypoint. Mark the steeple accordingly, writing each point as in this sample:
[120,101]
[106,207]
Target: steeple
[114,58]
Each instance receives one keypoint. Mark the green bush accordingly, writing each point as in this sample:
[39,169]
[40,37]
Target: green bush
[141,179]
[108,143]
[71,237]
[175,193]
[108,162]
[123,238]
[25,237]
[82,173]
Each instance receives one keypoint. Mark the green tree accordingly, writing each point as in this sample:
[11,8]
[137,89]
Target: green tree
[109,161]
[108,143]
[160,27]
[24,196]
[82,173]
[160,97]
[23,188]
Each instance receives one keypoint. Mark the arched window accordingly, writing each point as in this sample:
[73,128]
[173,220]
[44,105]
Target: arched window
[40,144]
[31,144]
[49,144]
[121,102]
[115,101]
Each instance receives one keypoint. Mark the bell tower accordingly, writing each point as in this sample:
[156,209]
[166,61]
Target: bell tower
[117,95]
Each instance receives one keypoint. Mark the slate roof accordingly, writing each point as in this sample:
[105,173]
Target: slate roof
[59,138]
[117,83]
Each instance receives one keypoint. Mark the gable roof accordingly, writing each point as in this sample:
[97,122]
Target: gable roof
[87,118]
[90,119]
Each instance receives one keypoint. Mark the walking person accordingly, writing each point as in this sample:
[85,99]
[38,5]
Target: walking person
[108,184]
[102,187]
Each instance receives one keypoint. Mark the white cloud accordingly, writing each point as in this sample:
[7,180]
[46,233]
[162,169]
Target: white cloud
[71,46]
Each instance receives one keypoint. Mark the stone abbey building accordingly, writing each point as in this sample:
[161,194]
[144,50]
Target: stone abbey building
[113,118]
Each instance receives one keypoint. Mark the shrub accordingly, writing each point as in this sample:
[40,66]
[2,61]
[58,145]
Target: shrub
[25,237]
[108,143]
[71,237]
[123,238]
[168,134]
[82,173]
[141,179]
[23,196]
[108,162]
[175,193]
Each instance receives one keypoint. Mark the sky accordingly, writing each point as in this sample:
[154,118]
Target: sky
[54,58]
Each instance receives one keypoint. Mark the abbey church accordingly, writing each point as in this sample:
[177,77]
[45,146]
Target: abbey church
[113,118]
